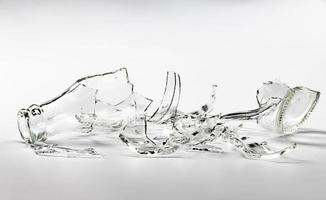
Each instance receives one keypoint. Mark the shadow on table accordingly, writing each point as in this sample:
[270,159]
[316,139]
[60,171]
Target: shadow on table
[307,137]
[314,138]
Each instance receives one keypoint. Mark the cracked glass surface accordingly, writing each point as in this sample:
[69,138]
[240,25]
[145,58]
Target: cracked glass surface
[107,105]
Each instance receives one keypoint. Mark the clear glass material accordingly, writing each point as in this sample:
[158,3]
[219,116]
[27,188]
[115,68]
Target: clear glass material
[281,108]
[106,104]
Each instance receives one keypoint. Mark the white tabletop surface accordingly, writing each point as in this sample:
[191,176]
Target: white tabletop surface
[46,45]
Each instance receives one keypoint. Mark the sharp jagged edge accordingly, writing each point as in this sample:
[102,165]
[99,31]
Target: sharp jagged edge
[200,127]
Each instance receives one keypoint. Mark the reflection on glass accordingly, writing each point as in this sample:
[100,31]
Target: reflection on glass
[106,104]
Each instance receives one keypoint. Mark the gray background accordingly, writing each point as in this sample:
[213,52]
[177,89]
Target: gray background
[45,45]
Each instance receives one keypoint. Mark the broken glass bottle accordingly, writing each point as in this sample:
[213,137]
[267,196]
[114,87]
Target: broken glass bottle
[106,104]
[85,105]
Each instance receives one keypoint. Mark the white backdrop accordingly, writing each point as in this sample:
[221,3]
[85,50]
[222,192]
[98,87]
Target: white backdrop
[46,45]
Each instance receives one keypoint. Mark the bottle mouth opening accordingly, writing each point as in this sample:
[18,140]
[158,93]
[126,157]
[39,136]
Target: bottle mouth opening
[26,121]
[23,117]
[295,108]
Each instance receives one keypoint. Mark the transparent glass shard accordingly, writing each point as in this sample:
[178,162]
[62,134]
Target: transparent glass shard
[250,148]
[149,134]
[271,90]
[195,129]
[281,108]
[296,108]
[85,104]
[54,150]
[110,119]
[147,138]
[206,148]
[191,123]
[170,101]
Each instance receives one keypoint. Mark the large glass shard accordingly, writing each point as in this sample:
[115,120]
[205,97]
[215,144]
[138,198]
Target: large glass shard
[84,105]
[170,101]
[149,133]
[281,108]
[296,108]
[107,105]
[146,137]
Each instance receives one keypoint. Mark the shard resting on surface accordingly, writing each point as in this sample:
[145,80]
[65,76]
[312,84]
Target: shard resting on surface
[281,108]
[107,104]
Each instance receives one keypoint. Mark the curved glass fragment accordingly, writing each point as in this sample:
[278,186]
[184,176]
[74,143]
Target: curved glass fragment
[104,100]
[106,104]
[281,108]
[170,101]
[146,137]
